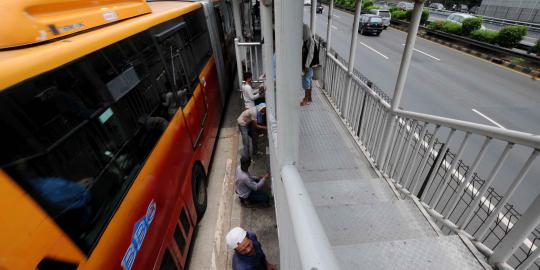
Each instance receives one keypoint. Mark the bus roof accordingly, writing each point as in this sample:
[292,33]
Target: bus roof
[20,64]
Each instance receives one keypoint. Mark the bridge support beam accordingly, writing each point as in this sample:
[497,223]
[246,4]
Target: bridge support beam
[352,57]
[237,19]
[402,78]
[288,29]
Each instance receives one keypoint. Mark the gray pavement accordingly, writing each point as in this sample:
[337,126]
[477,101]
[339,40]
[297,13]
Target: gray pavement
[449,83]
[224,209]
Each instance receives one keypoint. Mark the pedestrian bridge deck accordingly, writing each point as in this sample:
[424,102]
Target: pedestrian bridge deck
[367,222]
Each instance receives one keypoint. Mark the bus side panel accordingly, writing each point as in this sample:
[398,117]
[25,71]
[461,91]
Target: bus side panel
[160,181]
[211,90]
[28,234]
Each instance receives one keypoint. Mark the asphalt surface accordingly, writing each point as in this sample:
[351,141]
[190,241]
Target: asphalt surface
[452,84]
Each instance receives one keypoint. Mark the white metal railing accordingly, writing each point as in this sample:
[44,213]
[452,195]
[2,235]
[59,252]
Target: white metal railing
[248,59]
[421,165]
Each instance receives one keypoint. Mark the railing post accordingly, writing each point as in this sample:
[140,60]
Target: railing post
[238,61]
[402,76]
[520,231]
[352,55]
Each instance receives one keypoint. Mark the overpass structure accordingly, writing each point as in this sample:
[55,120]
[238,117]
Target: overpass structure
[360,183]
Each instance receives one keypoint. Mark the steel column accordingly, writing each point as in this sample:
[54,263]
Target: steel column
[403,71]
[352,54]
[267,54]
[328,37]
[288,29]
[313,17]
[237,20]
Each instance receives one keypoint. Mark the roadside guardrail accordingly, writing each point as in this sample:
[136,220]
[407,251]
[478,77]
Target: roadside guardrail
[475,43]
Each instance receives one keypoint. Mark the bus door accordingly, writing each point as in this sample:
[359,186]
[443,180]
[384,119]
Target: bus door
[185,87]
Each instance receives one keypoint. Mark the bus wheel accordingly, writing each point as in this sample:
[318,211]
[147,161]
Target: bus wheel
[200,195]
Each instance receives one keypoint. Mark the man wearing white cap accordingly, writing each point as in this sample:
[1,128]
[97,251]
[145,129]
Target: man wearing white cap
[248,253]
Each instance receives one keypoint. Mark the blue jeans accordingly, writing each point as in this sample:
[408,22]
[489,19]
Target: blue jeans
[258,197]
[248,132]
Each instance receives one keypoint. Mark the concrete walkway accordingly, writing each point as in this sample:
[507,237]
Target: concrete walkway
[224,209]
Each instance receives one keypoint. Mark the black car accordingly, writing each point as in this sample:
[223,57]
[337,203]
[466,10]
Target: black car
[319,7]
[370,23]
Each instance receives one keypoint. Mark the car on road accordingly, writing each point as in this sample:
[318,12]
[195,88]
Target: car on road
[384,14]
[405,5]
[436,6]
[370,24]
[307,2]
[382,4]
[319,8]
[460,17]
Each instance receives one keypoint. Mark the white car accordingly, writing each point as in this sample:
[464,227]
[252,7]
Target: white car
[460,17]
[307,2]
[437,6]
[405,5]
[384,14]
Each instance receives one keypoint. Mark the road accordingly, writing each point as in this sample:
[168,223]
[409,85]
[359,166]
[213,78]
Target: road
[449,83]
[530,39]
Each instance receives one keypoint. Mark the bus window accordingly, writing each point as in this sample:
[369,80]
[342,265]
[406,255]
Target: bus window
[74,151]
[199,40]
[220,24]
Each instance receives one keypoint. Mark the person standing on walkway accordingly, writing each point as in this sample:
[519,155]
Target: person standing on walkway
[308,48]
[250,189]
[248,93]
[248,253]
[249,128]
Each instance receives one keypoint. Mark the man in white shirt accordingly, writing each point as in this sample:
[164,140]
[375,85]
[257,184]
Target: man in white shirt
[248,93]
[247,123]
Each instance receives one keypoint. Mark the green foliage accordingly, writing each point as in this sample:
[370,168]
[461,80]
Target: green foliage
[471,24]
[423,19]
[452,28]
[436,25]
[392,9]
[537,47]
[487,36]
[367,4]
[510,36]
[399,15]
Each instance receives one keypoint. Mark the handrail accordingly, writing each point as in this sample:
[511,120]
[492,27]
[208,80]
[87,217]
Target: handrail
[316,251]
[512,136]
[404,164]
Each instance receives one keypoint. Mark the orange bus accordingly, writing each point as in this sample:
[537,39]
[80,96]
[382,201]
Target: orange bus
[107,135]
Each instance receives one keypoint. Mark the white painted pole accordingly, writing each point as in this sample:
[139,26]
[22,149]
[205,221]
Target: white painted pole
[237,19]
[328,39]
[402,76]
[288,29]
[267,53]
[352,55]
[313,17]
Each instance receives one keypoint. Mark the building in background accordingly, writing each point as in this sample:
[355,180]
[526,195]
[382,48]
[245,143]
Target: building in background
[518,10]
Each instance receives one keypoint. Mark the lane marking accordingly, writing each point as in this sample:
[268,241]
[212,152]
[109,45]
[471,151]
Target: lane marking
[333,27]
[336,16]
[426,54]
[384,56]
[489,119]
